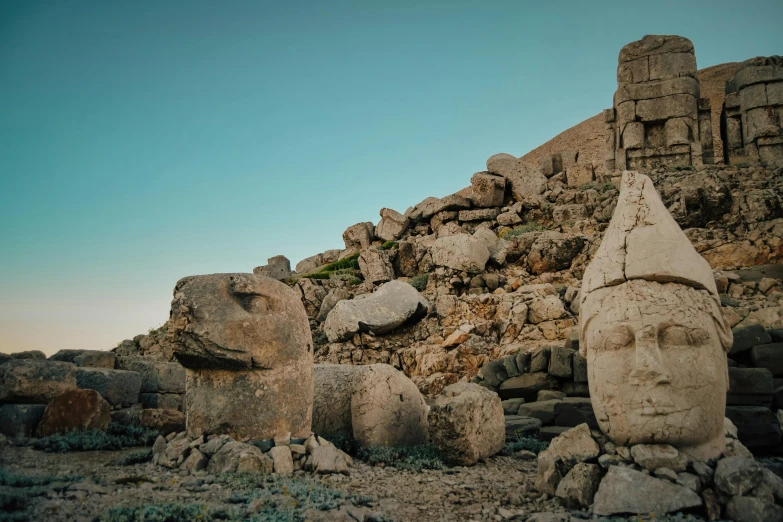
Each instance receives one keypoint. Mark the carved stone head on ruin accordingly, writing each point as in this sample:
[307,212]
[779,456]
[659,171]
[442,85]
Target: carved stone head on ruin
[652,331]
[245,342]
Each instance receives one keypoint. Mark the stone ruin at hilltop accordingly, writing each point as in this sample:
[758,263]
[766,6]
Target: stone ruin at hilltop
[463,322]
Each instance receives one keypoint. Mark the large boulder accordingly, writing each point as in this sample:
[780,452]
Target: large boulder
[624,491]
[757,426]
[359,236]
[33,381]
[466,423]
[375,405]
[246,345]
[527,183]
[88,358]
[391,226]
[375,265]
[390,306]
[75,410]
[431,206]
[498,248]
[332,298]
[487,190]
[460,252]
[156,376]
[553,251]
[118,387]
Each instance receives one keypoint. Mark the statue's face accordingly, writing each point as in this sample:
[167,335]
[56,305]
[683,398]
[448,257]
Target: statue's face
[656,366]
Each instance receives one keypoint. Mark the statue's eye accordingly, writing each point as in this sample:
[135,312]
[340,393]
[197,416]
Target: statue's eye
[674,336]
[620,338]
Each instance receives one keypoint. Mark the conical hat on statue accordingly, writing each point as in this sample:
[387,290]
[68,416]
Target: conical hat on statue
[644,242]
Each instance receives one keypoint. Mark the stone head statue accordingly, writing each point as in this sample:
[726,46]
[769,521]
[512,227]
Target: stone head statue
[245,342]
[652,331]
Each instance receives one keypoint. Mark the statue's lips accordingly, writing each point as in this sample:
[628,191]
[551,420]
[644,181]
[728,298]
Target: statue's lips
[651,407]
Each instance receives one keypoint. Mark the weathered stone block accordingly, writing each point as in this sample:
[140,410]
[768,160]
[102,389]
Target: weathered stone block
[20,420]
[750,387]
[541,410]
[672,65]
[747,337]
[760,122]
[573,411]
[118,387]
[163,401]
[75,410]
[674,106]
[526,386]
[677,131]
[560,362]
[769,356]
[481,214]
[578,175]
[156,376]
[488,190]
[775,93]
[86,358]
[756,426]
[634,71]
[753,96]
[35,381]
[580,368]
[391,226]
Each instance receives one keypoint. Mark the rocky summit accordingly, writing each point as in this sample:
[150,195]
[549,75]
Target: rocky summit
[591,331]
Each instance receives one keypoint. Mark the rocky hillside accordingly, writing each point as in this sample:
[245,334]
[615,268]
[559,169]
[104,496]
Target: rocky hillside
[588,136]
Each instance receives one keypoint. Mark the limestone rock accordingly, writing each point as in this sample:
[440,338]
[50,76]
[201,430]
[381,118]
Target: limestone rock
[526,385]
[498,248]
[553,251]
[156,376]
[118,387]
[487,190]
[460,252]
[35,381]
[282,460]
[391,226]
[376,265]
[75,410]
[624,491]
[466,423]
[748,509]
[277,267]
[309,264]
[196,461]
[578,487]
[246,345]
[89,358]
[541,410]
[574,446]
[388,307]
[527,183]
[238,457]
[375,405]
[327,459]
[654,456]
[167,401]
[545,309]
[359,236]
[737,475]
[332,298]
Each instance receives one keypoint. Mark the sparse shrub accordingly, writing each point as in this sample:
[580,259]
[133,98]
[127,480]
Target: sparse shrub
[16,480]
[516,441]
[413,458]
[521,229]
[349,263]
[136,457]
[388,245]
[19,489]
[169,513]
[600,187]
[419,282]
[115,437]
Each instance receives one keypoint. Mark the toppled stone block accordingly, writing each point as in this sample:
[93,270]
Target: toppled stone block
[238,457]
[573,411]
[460,252]
[746,337]
[750,387]
[391,226]
[553,251]
[375,265]
[488,190]
[86,358]
[118,387]
[541,410]
[526,386]
[156,376]
[561,359]
[375,405]
[35,381]
[466,423]
[387,308]
[624,491]
[757,427]
[526,182]
[769,356]
[481,214]
[359,236]
[164,421]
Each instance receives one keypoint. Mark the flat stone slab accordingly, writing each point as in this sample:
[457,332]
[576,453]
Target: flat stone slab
[156,376]
[625,491]
[117,387]
[34,381]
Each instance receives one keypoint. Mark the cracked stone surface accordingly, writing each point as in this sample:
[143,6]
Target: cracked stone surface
[245,342]
[652,331]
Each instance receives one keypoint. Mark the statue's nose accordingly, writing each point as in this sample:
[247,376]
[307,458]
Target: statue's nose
[648,365]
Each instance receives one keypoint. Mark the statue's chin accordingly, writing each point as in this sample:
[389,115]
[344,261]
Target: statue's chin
[705,451]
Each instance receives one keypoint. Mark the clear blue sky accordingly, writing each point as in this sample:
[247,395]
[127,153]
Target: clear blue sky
[148,140]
